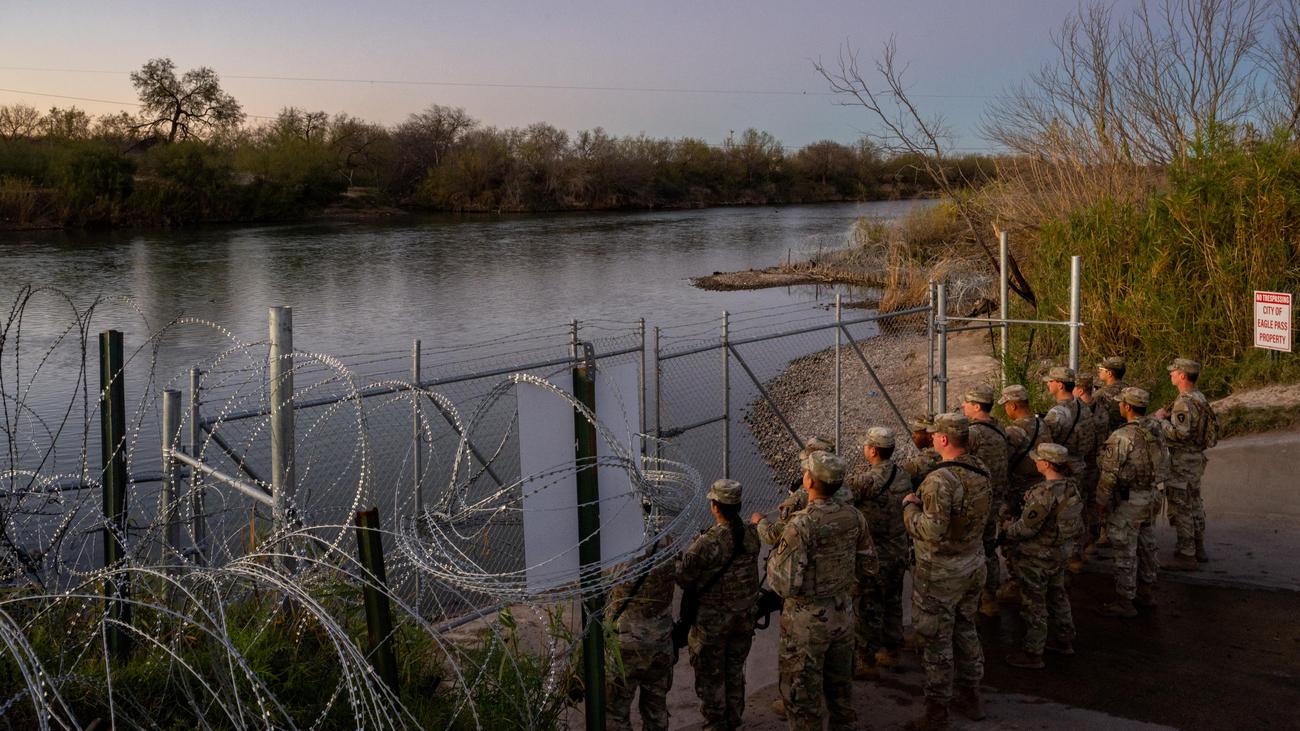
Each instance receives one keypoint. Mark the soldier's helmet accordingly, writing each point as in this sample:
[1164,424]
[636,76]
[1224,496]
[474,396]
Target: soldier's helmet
[880,436]
[825,467]
[1065,374]
[817,444]
[1014,392]
[981,394]
[1186,365]
[726,492]
[1049,452]
[953,425]
[1135,396]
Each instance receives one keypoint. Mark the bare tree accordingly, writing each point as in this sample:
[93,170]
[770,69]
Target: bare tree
[183,107]
[1281,60]
[66,124]
[906,130]
[18,120]
[423,141]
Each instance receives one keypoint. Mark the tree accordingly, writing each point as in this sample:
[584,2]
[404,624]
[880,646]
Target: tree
[18,120]
[66,124]
[184,107]
[423,141]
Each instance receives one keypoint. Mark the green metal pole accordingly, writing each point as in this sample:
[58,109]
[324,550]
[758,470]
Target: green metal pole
[112,432]
[593,642]
[379,616]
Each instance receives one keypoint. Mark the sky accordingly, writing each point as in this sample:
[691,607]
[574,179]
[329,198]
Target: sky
[719,61]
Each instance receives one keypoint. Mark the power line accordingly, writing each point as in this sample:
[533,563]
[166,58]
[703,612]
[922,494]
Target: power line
[510,85]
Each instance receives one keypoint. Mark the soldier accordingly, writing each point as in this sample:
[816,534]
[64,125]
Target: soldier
[797,500]
[1041,539]
[1111,374]
[878,492]
[825,552]
[988,442]
[721,566]
[1125,493]
[642,618]
[1098,421]
[946,518]
[1066,419]
[923,462]
[1026,431]
[1190,427]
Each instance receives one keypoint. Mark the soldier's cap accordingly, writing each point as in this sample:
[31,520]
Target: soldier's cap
[1084,379]
[1135,396]
[1059,373]
[981,394]
[1014,392]
[1113,363]
[920,423]
[1049,452]
[826,467]
[953,425]
[1185,365]
[880,436]
[817,444]
[726,492]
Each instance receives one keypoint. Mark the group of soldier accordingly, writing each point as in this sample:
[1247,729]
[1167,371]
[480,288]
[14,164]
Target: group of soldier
[1038,493]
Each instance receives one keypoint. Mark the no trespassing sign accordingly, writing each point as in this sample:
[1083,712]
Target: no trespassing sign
[1273,320]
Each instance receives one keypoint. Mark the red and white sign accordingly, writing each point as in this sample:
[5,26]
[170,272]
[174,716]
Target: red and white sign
[1273,320]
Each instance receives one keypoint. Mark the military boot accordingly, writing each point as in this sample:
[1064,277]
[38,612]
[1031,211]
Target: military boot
[778,707]
[1022,659]
[1183,563]
[1146,596]
[1121,607]
[864,666]
[968,703]
[887,657]
[1060,647]
[988,604]
[1201,556]
[935,718]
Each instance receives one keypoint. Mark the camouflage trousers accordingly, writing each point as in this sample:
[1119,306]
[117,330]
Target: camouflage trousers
[1186,511]
[1091,525]
[1131,530]
[880,607]
[719,644]
[1044,602]
[992,564]
[816,662]
[647,665]
[943,611]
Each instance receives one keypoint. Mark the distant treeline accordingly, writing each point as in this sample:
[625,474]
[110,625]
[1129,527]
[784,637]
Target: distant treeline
[67,168]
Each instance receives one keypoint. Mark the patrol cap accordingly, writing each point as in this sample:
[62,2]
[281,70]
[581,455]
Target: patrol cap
[981,394]
[1084,379]
[950,424]
[1135,396]
[1049,452]
[726,492]
[817,444]
[1113,363]
[826,467]
[880,436]
[920,423]
[1059,373]
[1014,392]
[1185,365]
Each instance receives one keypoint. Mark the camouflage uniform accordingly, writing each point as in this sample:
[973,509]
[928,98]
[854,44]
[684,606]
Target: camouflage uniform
[921,464]
[1040,541]
[878,493]
[1097,420]
[645,645]
[948,577]
[988,442]
[1107,400]
[1125,495]
[824,552]
[770,531]
[724,629]
[1072,428]
[1185,433]
[1022,436]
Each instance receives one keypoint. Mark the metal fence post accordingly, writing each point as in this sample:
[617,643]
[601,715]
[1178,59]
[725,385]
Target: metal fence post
[1076,277]
[838,394]
[593,641]
[941,324]
[379,616]
[726,397]
[1004,281]
[640,378]
[168,499]
[112,425]
[659,402]
[283,482]
[929,336]
[417,440]
[198,509]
